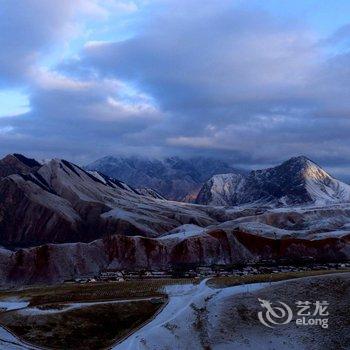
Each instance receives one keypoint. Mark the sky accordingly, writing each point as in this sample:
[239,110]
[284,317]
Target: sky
[256,82]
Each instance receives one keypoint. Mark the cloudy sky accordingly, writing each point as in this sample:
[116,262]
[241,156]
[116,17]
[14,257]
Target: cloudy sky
[253,81]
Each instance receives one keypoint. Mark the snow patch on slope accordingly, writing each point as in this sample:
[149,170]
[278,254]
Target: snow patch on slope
[298,181]
[183,232]
[173,327]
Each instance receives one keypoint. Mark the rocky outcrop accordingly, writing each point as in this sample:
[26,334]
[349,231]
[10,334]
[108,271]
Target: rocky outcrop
[17,163]
[294,249]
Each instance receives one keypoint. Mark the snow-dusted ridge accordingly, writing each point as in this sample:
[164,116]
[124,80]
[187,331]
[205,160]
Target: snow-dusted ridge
[298,181]
[71,222]
[174,178]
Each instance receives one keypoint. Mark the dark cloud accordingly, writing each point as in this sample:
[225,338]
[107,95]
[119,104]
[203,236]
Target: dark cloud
[213,60]
[235,80]
[78,120]
[28,28]
[197,78]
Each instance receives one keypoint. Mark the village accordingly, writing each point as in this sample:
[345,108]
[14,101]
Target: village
[200,272]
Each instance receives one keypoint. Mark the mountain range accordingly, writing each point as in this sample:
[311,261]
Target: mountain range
[59,221]
[173,178]
[59,201]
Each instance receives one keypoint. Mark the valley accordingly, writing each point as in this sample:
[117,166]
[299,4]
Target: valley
[128,315]
[84,254]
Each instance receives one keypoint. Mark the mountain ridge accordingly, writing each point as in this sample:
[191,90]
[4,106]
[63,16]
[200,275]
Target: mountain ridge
[61,202]
[296,181]
[174,178]
[59,221]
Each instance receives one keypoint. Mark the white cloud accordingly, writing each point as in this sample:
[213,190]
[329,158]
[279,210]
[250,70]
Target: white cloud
[6,129]
[48,79]
[95,43]
[194,141]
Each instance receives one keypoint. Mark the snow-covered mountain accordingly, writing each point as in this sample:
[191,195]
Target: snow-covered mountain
[59,221]
[173,178]
[297,181]
[61,202]
[221,189]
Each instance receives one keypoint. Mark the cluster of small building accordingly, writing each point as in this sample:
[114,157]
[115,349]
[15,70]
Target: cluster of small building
[114,275]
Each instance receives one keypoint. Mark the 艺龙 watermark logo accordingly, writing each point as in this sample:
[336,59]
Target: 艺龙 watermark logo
[307,314]
[274,315]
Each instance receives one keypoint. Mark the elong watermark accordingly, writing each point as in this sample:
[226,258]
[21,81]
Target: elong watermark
[308,313]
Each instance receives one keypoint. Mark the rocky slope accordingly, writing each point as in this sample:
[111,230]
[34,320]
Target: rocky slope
[58,221]
[16,163]
[221,189]
[297,181]
[150,192]
[174,178]
[60,202]
[54,263]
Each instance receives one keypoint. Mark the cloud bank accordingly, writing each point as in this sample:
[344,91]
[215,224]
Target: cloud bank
[192,77]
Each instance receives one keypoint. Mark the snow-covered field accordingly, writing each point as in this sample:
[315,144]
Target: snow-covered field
[9,342]
[72,306]
[13,304]
[200,317]
[171,328]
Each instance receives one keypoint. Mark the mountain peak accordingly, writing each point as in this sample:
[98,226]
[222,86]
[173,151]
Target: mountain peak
[300,165]
[299,159]
[31,162]
[17,164]
[296,181]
